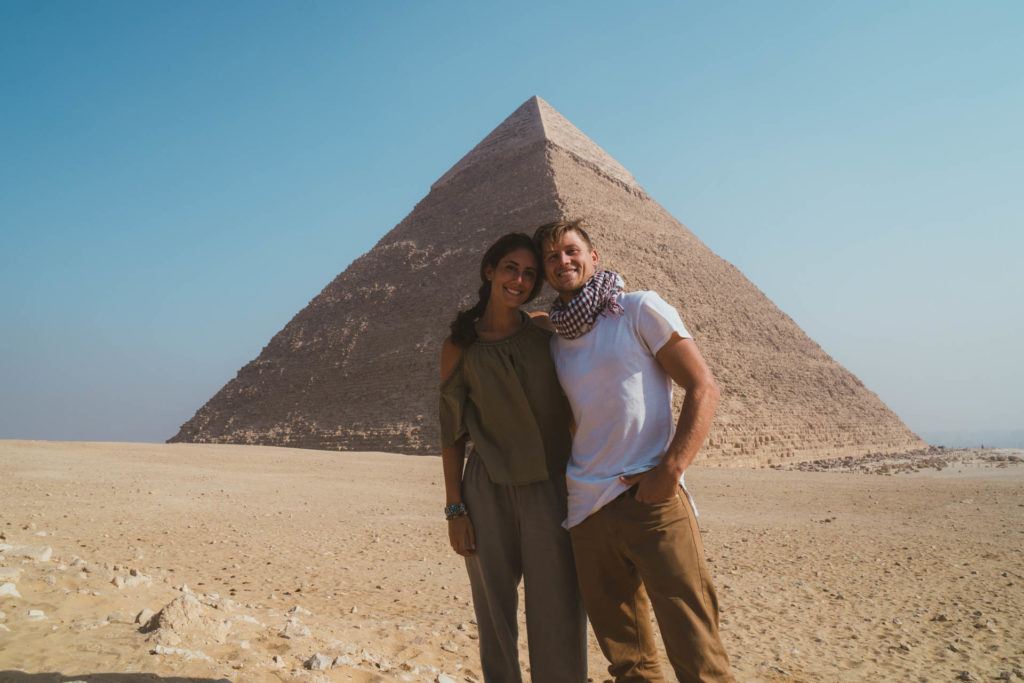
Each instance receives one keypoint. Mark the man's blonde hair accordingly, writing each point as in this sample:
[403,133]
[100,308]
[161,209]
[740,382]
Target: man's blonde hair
[549,233]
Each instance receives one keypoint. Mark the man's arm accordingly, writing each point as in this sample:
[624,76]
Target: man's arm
[682,361]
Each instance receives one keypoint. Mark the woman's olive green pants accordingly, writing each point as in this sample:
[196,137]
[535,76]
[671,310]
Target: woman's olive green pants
[519,537]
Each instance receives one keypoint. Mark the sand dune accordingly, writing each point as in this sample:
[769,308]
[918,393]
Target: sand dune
[268,556]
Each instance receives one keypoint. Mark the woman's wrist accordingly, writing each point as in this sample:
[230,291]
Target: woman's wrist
[453,510]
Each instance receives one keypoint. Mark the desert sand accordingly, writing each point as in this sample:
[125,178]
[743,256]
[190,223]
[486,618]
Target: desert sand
[265,557]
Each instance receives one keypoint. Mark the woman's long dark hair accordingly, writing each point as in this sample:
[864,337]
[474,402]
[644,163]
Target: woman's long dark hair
[464,326]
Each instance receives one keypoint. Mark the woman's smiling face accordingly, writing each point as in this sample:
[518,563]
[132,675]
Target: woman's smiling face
[513,279]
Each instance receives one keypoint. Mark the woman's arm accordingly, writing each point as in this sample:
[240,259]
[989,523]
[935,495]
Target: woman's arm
[460,529]
[453,459]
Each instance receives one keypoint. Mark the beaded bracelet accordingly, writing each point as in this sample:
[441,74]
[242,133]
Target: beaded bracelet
[453,510]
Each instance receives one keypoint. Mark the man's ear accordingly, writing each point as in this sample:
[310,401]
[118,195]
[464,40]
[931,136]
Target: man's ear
[595,256]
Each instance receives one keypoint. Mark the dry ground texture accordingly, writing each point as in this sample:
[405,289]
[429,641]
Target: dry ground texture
[266,557]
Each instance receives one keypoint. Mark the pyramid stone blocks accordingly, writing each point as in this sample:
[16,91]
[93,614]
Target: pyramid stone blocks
[357,368]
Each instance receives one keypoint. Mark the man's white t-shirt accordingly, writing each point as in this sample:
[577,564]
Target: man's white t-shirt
[621,399]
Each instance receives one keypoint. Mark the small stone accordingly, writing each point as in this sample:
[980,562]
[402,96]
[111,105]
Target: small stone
[294,629]
[143,617]
[39,553]
[450,647]
[297,610]
[318,662]
[9,590]
[4,627]
[966,676]
[36,614]
[189,655]
[10,574]
[354,610]
[444,678]
[131,580]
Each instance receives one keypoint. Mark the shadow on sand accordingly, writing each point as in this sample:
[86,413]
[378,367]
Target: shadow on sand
[8,676]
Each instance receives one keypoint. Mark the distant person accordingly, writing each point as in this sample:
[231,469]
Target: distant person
[499,390]
[630,518]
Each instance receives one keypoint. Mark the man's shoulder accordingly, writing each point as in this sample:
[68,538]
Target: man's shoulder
[634,301]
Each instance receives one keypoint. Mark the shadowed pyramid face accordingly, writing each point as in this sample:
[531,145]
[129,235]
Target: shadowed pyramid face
[356,369]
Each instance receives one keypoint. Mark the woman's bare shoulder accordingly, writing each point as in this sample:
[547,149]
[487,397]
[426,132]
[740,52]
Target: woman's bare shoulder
[451,353]
[541,320]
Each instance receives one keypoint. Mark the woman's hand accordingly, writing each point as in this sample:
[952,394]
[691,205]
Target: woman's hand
[461,535]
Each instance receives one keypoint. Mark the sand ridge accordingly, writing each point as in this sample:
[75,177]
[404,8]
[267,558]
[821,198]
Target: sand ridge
[822,576]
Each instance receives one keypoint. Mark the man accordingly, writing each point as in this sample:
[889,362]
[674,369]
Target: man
[630,518]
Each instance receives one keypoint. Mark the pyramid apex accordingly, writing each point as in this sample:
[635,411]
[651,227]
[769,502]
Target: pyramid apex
[536,121]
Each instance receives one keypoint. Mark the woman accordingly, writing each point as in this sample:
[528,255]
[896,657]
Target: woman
[499,390]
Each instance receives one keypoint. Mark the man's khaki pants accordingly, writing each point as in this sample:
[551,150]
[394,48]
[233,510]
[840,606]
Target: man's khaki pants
[519,536]
[627,546]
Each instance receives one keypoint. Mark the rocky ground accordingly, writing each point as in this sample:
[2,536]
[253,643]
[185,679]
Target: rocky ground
[932,458]
[142,562]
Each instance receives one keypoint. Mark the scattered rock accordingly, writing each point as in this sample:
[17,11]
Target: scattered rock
[444,678]
[300,611]
[10,574]
[132,580]
[39,553]
[294,629]
[450,647]
[185,618]
[319,662]
[9,590]
[36,614]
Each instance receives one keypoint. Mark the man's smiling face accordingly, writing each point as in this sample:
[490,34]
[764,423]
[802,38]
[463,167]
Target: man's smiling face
[568,263]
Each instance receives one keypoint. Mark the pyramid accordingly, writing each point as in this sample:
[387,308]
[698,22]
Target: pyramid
[356,369]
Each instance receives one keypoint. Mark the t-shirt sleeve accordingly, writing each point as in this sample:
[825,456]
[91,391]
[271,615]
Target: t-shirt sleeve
[657,321]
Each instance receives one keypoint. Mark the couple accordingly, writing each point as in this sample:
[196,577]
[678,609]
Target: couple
[570,416]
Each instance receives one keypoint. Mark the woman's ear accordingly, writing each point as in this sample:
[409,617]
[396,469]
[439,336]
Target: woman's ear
[488,273]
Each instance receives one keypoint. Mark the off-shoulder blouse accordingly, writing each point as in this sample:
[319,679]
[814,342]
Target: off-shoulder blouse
[506,397]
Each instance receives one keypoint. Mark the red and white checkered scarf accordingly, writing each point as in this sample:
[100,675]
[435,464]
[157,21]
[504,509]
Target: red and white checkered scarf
[598,297]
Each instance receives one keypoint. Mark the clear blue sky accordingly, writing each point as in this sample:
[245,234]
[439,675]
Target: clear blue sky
[179,178]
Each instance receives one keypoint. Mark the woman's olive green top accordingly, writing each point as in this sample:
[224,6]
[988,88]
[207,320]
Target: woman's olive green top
[506,397]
